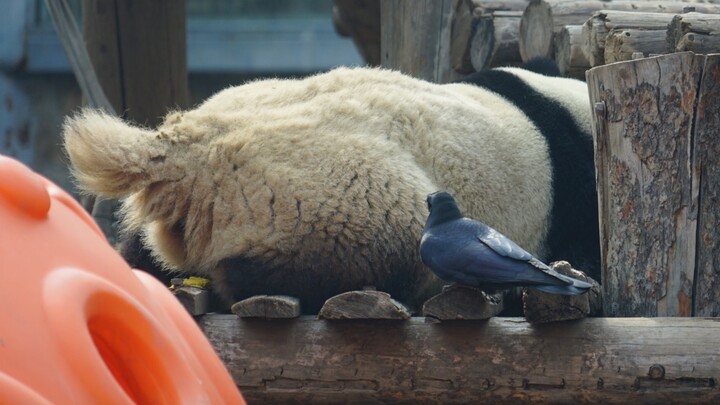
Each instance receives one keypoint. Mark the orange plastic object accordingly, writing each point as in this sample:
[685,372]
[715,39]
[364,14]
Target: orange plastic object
[77,325]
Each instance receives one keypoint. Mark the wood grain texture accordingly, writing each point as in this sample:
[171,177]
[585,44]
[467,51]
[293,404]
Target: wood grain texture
[415,38]
[648,207]
[602,23]
[543,20]
[622,44]
[495,42]
[499,361]
[368,304]
[268,307]
[568,52]
[695,32]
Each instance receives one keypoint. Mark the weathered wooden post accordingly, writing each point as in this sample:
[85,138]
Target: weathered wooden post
[138,50]
[415,38]
[658,167]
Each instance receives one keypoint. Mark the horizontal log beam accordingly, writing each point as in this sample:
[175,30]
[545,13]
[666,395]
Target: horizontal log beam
[502,360]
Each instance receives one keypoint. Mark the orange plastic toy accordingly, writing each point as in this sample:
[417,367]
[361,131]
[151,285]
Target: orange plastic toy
[77,325]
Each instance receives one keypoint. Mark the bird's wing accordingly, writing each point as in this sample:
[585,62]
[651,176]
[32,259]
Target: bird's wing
[503,246]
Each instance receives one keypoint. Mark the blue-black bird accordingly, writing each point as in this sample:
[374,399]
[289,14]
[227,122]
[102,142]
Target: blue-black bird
[465,251]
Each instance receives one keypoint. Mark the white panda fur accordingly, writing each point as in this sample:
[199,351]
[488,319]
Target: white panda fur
[316,186]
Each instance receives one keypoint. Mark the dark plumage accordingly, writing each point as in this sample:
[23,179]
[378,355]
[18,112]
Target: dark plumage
[465,251]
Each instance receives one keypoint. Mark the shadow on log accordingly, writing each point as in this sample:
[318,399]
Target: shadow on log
[499,361]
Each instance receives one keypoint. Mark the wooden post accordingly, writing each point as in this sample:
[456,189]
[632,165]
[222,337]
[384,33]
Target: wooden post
[415,38]
[653,137]
[498,361]
[706,182]
[138,50]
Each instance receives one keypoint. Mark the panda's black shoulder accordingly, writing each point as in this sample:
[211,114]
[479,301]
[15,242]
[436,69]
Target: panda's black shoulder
[542,65]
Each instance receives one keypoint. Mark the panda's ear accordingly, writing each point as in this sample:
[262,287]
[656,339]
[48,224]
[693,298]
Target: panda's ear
[111,158]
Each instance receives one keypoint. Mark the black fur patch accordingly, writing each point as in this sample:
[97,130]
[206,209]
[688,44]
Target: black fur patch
[574,229]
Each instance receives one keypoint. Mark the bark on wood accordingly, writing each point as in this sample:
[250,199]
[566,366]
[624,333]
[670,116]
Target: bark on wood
[651,167]
[543,20]
[457,302]
[621,44]
[706,178]
[363,305]
[499,361]
[415,38]
[597,28]
[267,306]
[695,32]
[360,20]
[495,42]
[540,307]
[569,55]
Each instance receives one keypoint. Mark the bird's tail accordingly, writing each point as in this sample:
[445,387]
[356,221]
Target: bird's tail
[577,287]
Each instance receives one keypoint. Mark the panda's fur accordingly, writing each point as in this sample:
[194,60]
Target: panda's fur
[317,186]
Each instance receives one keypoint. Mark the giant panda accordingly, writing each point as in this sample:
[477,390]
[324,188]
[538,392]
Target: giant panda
[312,187]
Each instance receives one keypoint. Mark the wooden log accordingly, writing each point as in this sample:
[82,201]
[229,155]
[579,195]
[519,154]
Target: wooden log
[498,361]
[415,38]
[597,28]
[267,307]
[457,302]
[698,43]
[495,42]
[706,177]
[695,32]
[360,20]
[543,20]
[466,15]
[622,44]
[649,181]
[367,304]
[569,55]
[462,30]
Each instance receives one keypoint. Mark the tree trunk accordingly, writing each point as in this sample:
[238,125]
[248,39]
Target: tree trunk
[415,38]
[498,361]
[495,42]
[652,135]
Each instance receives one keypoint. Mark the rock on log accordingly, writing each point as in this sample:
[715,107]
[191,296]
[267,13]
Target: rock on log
[360,20]
[499,361]
[695,32]
[597,28]
[623,44]
[543,20]
[652,137]
[495,42]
